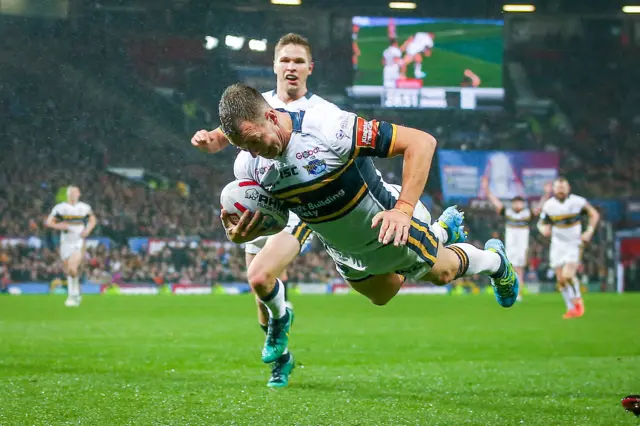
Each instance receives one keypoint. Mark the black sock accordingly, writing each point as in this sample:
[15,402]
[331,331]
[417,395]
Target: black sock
[286,290]
[284,357]
[264,328]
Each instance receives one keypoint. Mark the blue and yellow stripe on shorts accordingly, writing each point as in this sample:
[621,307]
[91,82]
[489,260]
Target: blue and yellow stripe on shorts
[423,242]
[301,231]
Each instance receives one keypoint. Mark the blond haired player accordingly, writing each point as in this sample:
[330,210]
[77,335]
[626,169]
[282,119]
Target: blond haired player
[293,64]
[75,221]
[518,218]
[561,220]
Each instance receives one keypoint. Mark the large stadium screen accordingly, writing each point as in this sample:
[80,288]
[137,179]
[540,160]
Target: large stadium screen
[427,63]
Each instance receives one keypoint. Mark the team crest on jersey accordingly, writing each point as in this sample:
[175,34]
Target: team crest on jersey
[316,166]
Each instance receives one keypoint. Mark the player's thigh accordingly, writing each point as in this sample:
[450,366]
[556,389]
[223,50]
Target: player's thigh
[74,261]
[248,258]
[380,289]
[275,256]
[444,269]
[569,270]
[560,274]
[252,248]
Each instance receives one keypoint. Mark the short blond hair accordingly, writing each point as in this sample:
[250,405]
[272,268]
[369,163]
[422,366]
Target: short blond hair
[293,38]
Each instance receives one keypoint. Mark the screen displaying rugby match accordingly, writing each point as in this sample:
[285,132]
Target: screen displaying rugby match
[427,63]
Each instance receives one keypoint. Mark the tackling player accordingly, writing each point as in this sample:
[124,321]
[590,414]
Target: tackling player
[75,221]
[518,219]
[415,47]
[292,66]
[344,203]
[560,220]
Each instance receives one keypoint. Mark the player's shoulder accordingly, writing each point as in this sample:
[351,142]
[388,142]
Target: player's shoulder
[83,205]
[314,101]
[551,205]
[60,206]
[268,95]
[325,120]
[242,165]
[577,199]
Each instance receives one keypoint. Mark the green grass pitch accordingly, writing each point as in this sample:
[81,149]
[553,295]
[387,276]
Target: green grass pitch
[432,360]
[457,46]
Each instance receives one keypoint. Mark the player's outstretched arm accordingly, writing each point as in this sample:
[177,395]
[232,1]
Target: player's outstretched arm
[594,218]
[547,194]
[417,148]
[91,224]
[491,197]
[210,141]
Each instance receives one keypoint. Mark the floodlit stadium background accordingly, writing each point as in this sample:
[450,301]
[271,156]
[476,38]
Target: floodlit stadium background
[107,94]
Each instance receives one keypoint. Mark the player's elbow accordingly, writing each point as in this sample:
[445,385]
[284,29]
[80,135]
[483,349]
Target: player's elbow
[430,143]
[424,144]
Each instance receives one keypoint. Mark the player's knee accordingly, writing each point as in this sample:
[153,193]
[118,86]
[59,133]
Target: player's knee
[444,277]
[380,300]
[259,280]
[72,270]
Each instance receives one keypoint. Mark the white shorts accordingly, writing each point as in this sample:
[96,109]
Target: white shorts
[563,254]
[517,255]
[295,227]
[390,74]
[67,249]
[415,48]
[413,260]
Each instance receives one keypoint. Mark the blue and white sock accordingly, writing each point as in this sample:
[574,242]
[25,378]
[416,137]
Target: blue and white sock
[274,301]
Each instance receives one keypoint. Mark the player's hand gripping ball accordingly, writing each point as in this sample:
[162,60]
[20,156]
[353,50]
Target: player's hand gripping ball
[240,196]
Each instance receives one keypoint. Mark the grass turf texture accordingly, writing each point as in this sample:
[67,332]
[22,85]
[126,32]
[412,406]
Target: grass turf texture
[457,47]
[420,360]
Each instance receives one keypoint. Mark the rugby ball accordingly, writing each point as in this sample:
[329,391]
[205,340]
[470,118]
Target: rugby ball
[242,195]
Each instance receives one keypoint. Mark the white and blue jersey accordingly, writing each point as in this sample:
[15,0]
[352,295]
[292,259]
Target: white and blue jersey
[325,177]
[294,226]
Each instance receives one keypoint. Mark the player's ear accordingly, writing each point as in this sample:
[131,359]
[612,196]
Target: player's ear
[311,65]
[271,116]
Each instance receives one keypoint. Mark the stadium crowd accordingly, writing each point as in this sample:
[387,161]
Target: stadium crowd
[54,133]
